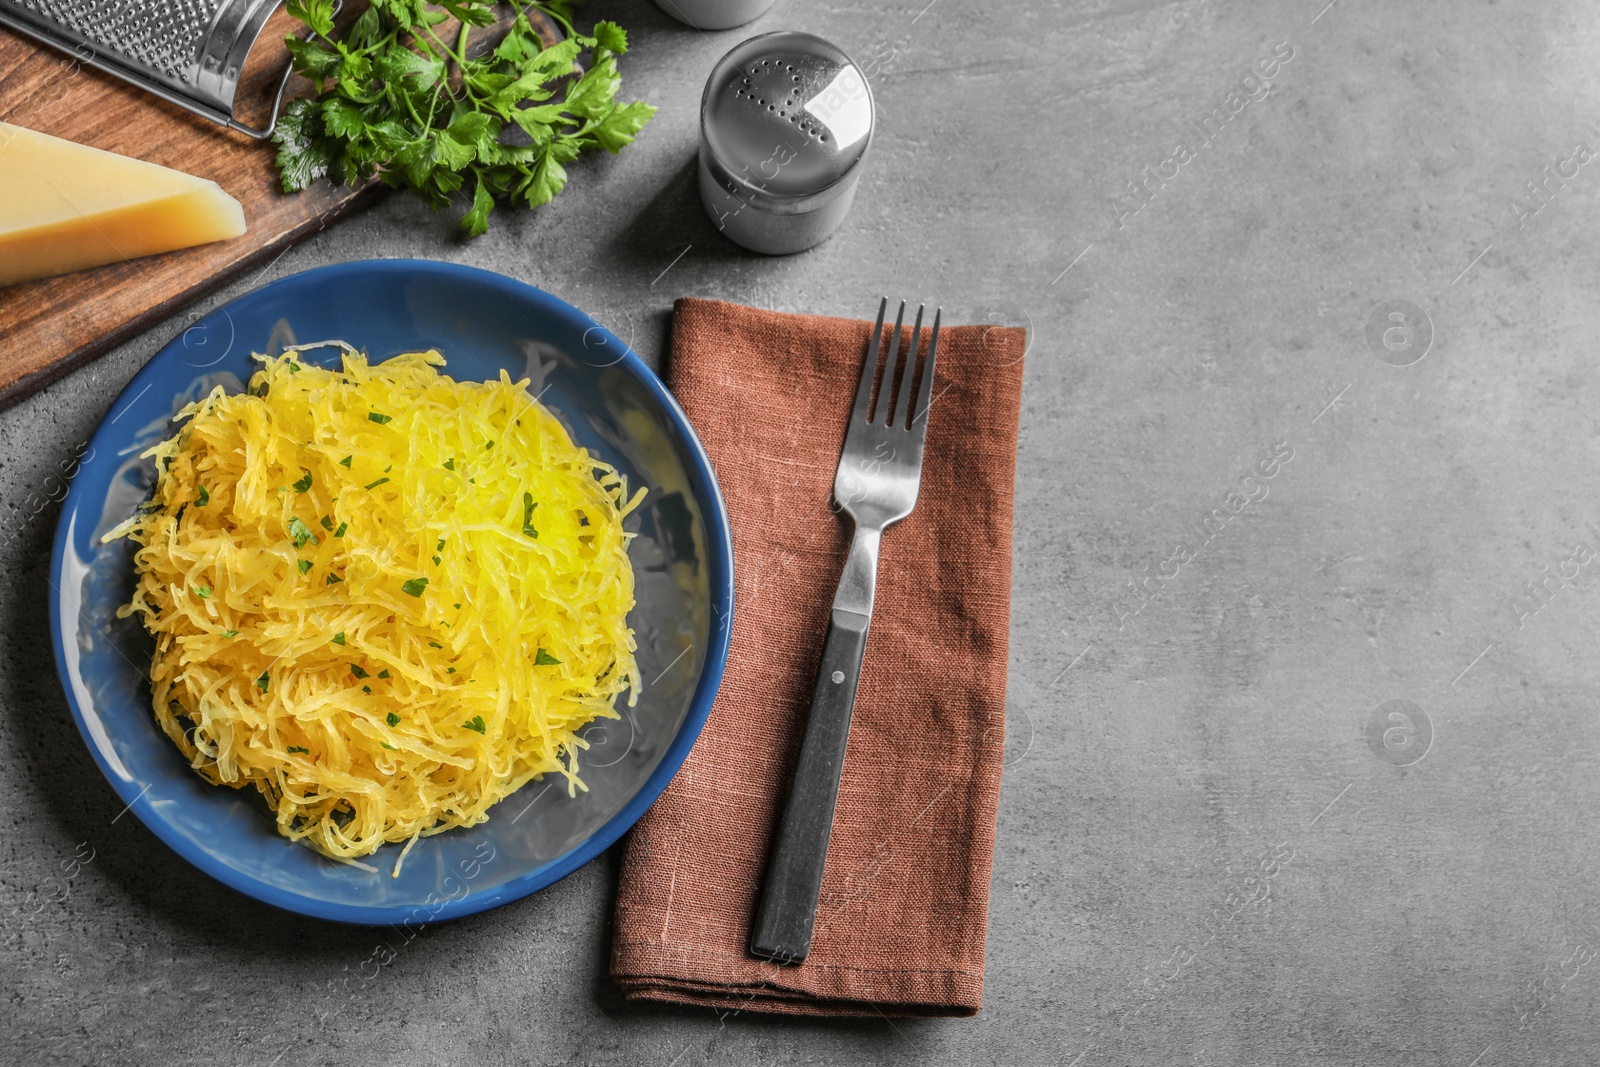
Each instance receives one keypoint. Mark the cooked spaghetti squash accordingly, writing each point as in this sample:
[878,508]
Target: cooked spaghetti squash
[382,598]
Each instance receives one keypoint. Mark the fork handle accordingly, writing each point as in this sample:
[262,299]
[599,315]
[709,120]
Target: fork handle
[788,909]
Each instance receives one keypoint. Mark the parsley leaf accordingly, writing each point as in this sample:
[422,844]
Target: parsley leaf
[385,744]
[303,564]
[476,723]
[230,633]
[263,681]
[448,121]
[343,526]
[303,153]
[357,670]
[527,516]
[338,638]
[373,416]
[296,748]
[300,532]
[327,522]
[333,579]
[204,498]
[345,462]
[450,464]
[414,587]
[318,14]
[392,719]
[384,674]
[203,592]
[304,483]
[374,485]
[544,659]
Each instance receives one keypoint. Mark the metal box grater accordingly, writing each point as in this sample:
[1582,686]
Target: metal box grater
[190,52]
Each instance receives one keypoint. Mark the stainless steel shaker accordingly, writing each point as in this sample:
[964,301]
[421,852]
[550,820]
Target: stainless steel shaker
[785,123]
[714,14]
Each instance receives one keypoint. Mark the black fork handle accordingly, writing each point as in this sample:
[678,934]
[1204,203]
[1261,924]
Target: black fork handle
[788,911]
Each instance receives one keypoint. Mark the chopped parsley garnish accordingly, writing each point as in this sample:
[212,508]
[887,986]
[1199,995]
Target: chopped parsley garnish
[488,446]
[343,526]
[332,579]
[230,633]
[544,659]
[357,670]
[304,483]
[414,587]
[458,608]
[440,546]
[389,468]
[204,498]
[300,532]
[374,416]
[327,522]
[338,638]
[384,674]
[304,565]
[263,681]
[449,670]
[392,719]
[476,723]
[203,592]
[527,516]
[434,644]
[345,462]
[367,689]
[374,485]
[450,464]
[296,748]
[385,744]
[435,561]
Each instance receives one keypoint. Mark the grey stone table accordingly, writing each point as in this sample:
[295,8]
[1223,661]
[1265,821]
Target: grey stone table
[1220,841]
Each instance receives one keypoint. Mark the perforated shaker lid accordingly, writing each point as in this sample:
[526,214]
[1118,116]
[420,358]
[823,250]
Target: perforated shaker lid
[785,119]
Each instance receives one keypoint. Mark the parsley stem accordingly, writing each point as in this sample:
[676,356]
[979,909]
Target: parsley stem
[558,16]
[460,61]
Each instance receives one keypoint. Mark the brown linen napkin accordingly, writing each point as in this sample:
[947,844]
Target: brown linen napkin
[901,925]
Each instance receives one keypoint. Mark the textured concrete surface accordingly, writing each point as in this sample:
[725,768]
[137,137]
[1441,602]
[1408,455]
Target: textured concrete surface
[1217,844]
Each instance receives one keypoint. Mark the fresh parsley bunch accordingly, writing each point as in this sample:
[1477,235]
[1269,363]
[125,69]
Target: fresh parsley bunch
[395,100]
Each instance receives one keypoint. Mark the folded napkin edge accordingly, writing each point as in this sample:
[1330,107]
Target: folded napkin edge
[691,948]
[712,997]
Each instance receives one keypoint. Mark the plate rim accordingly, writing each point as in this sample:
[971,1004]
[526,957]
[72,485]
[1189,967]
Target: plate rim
[720,563]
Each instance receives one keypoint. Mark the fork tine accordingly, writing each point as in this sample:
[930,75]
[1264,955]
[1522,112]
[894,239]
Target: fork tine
[886,390]
[903,399]
[919,415]
[869,369]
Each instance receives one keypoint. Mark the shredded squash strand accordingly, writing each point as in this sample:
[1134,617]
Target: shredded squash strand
[383,598]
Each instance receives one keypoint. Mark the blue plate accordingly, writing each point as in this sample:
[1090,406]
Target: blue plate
[609,401]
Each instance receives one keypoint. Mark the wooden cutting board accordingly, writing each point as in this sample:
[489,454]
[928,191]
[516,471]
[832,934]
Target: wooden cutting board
[48,327]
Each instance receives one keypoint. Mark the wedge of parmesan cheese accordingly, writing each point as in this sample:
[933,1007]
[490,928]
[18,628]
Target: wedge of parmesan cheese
[65,206]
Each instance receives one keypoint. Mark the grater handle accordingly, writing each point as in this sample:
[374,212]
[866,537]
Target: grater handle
[272,119]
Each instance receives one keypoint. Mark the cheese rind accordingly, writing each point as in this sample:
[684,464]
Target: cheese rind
[66,206]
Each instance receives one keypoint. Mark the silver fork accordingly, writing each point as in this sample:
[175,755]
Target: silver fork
[880,471]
